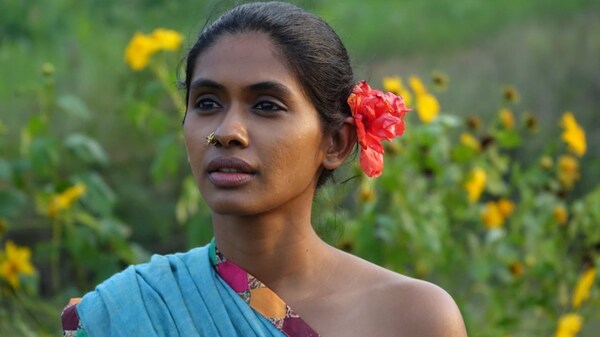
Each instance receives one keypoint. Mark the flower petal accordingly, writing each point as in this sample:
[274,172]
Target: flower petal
[371,162]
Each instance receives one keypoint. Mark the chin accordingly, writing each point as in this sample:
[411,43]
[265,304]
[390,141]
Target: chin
[231,207]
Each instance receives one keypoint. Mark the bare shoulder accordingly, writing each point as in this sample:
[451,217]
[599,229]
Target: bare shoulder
[427,309]
[399,305]
[404,306]
[380,302]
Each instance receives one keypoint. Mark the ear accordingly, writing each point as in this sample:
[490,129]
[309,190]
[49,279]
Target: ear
[339,144]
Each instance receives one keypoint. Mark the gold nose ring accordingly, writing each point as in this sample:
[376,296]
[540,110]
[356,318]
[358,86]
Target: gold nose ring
[210,139]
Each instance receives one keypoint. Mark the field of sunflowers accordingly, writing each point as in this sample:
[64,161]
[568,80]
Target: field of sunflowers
[492,193]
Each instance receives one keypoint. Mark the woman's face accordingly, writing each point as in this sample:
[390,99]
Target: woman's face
[270,145]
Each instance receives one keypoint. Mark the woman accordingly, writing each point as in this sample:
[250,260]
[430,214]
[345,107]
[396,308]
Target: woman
[272,111]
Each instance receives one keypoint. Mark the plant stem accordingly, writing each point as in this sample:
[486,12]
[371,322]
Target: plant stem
[55,256]
[160,71]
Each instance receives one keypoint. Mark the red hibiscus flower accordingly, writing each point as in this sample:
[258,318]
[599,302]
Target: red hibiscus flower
[377,116]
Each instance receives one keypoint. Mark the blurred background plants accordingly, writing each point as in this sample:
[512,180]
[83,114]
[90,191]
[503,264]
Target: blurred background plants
[492,193]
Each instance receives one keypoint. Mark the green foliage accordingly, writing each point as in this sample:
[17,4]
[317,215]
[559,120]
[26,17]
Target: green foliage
[55,186]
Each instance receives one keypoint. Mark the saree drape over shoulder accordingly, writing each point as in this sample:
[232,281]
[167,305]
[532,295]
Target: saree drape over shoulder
[174,295]
[184,294]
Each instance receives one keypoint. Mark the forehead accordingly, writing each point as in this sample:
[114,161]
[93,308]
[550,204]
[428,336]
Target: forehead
[244,58]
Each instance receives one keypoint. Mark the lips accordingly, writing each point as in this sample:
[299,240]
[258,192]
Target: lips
[229,172]
[230,165]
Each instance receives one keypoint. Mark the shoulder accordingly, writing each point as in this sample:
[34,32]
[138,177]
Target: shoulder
[147,285]
[398,305]
[159,269]
[419,308]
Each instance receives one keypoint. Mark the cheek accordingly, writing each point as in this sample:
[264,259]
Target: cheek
[297,155]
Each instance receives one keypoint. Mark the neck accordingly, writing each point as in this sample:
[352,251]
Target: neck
[279,248]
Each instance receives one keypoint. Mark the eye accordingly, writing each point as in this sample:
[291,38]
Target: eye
[206,104]
[267,106]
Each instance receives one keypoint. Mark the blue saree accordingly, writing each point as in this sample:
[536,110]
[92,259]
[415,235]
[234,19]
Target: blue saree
[172,295]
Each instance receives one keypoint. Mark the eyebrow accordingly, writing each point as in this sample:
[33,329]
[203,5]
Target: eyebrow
[270,86]
[205,83]
[276,88]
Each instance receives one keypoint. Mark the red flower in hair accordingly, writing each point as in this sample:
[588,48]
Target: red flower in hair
[377,116]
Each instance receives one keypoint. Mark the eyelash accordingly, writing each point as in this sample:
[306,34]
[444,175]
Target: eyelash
[200,105]
[274,106]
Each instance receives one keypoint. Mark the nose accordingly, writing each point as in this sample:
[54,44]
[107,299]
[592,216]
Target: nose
[232,132]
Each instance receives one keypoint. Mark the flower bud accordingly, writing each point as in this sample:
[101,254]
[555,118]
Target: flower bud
[474,123]
[511,94]
[47,69]
[516,268]
[440,80]
[546,162]
[531,121]
[560,214]
[367,194]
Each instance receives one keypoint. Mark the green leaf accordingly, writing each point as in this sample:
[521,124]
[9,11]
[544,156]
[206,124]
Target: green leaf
[87,220]
[498,160]
[495,184]
[586,217]
[508,139]
[170,155]
[449,121]
[73,106]
[37,125]
[99,197]
[111,228]
[5,170]
[11,202]
[140,254]
[86,149]
[463,153]
[44,156]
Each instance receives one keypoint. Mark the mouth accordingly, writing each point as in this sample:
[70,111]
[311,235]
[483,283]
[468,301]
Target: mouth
[230,172]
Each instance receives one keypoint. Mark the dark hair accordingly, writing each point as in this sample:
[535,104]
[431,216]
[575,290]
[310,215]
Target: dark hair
[309,46]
